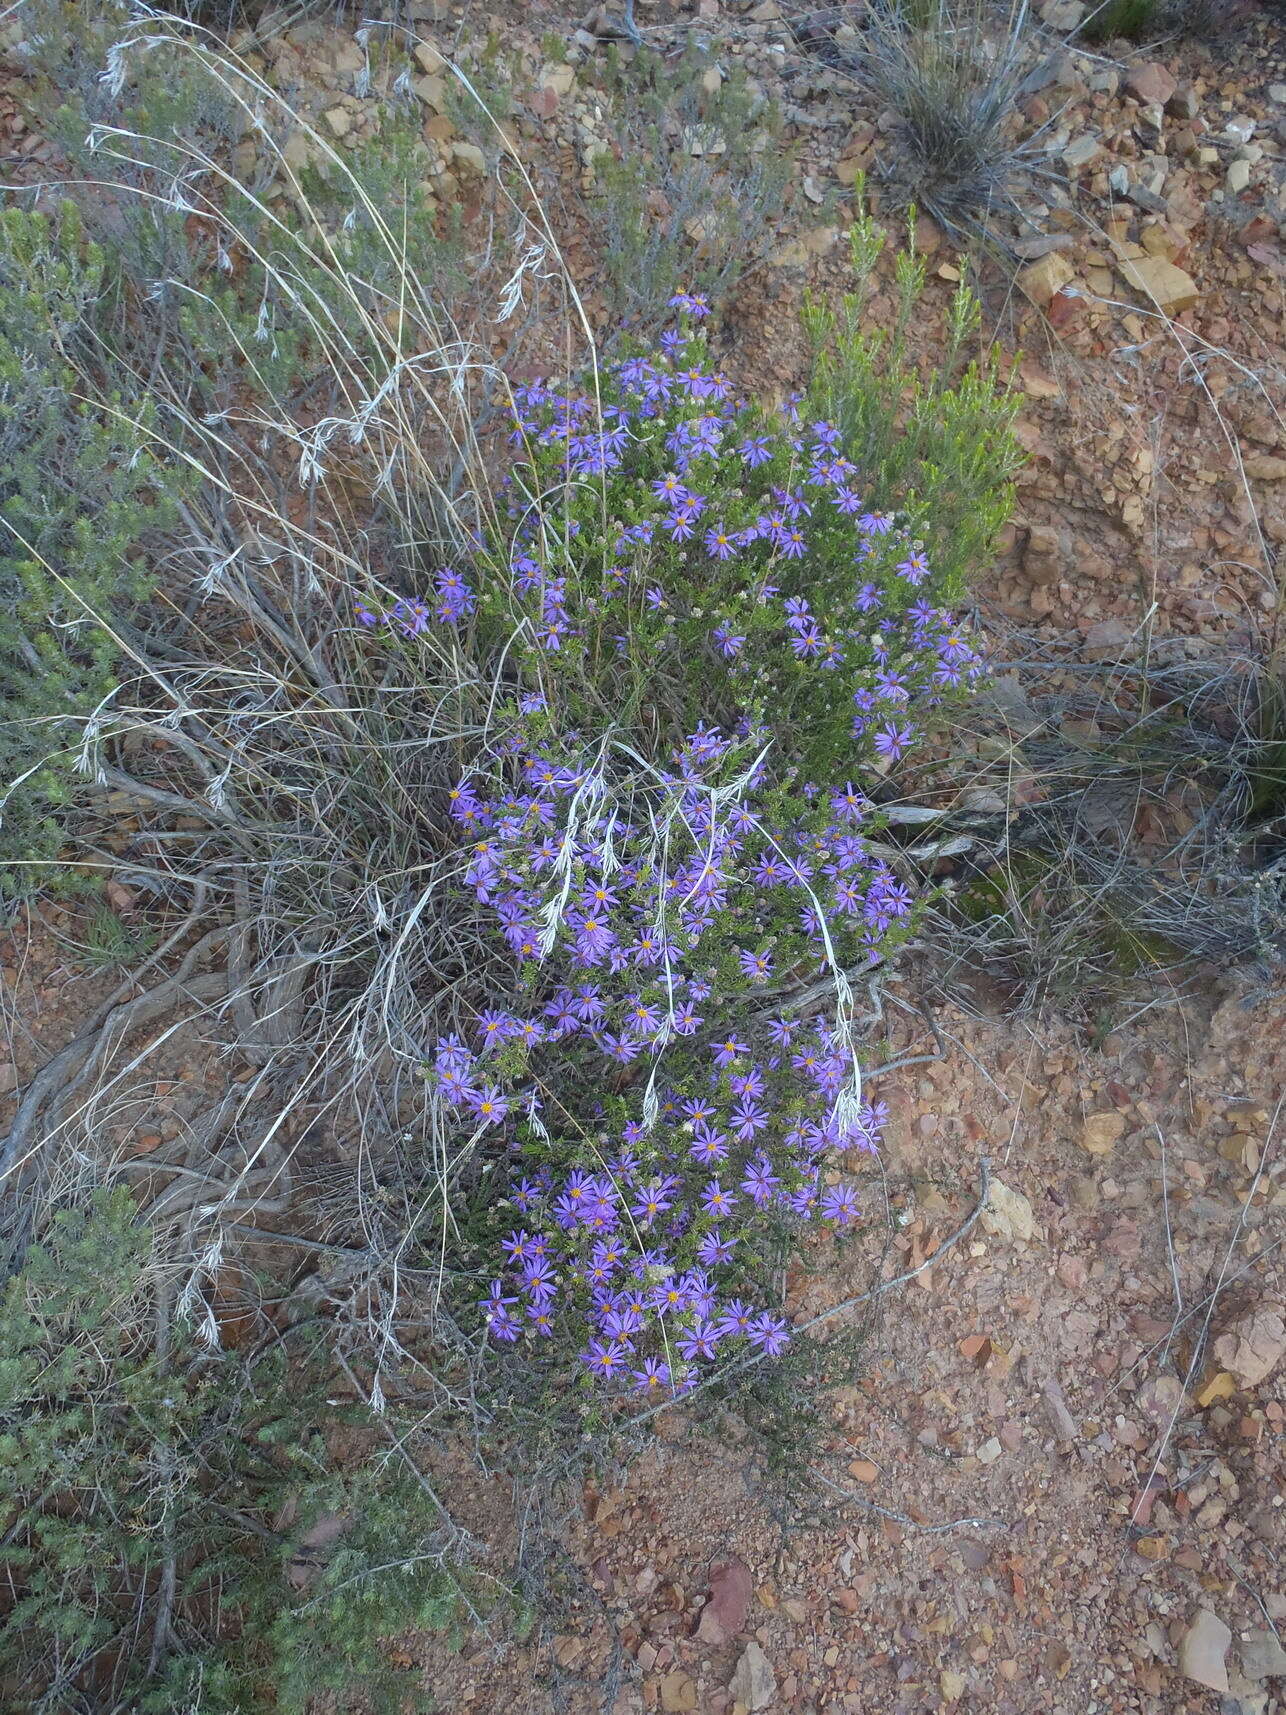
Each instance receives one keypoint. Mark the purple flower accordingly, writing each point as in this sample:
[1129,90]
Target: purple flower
[730,644]
[756,451]
[760,1183]
[716,1201]
[728,1050]
[708,1146]
[699,1341]
[691,303]
[652,1376]
[769,1333]
[719,544]
[604,1357]
[839,1204]
[735,1318]
[757,966]
[892,740]
[488,1104]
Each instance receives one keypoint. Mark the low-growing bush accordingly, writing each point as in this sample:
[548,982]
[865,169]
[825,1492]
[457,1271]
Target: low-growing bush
[688,186]
[80,496]
[179,1531]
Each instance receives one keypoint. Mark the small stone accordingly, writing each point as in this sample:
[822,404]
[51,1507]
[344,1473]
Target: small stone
[1008,1214]
[1170,289]
[678,1693]
[1262,1656]
[559,78]
[1151,84]
[767,12]
[1204,1649]
[863,1470]
[1103,640]
[1102,1132]
[1253,1346]
[1265,467]
[754,1683]
[1041,280]
[469,158]
[432,91]
[989,1452]
[8,1077]
[1277,93]
[724,1614]
[952,1684]
[1081,152]
[1237,177]
[428,58]
[1183,104]
[1038,385]
[1042,244]
[340,120]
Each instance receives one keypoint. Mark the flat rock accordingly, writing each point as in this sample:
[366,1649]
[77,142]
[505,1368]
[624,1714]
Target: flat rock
[1169,288]
[678,1693]
[754,1683]
[1008,1214]
[1252,1347]
[1102,1132]
[724,1614]
[1203,1652]
[1262,1656]
[1041,280]
[1151,83]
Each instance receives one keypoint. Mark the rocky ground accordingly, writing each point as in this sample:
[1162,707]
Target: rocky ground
[1056,1482]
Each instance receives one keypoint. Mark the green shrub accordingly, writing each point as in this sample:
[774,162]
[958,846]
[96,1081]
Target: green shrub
[691,193]
[1127,20]
[154,1496]
[79,495]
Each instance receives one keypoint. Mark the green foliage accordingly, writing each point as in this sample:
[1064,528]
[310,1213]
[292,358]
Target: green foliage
[938,446]
[156,1495]
[1127,20]
[691,195]
[78,498]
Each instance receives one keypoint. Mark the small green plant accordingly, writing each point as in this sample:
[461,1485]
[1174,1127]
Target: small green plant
[690,194]
[1126,20]
[177,1531]
[110,943]
[79,496]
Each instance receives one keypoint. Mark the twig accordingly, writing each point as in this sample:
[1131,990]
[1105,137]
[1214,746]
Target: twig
[902,1518]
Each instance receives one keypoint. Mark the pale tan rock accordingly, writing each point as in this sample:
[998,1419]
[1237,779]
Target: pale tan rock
[754,1683]
[559,78]
[1253,1346]
[1042,279]
[1008,1214]
[1265,467]
[469,158]
[432,91]
[1203,1652]
[429,59]
[1102,1132]
[1169,288]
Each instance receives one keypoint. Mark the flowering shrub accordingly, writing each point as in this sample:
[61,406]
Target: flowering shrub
[725,558]
[668,1086]
[697,607]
